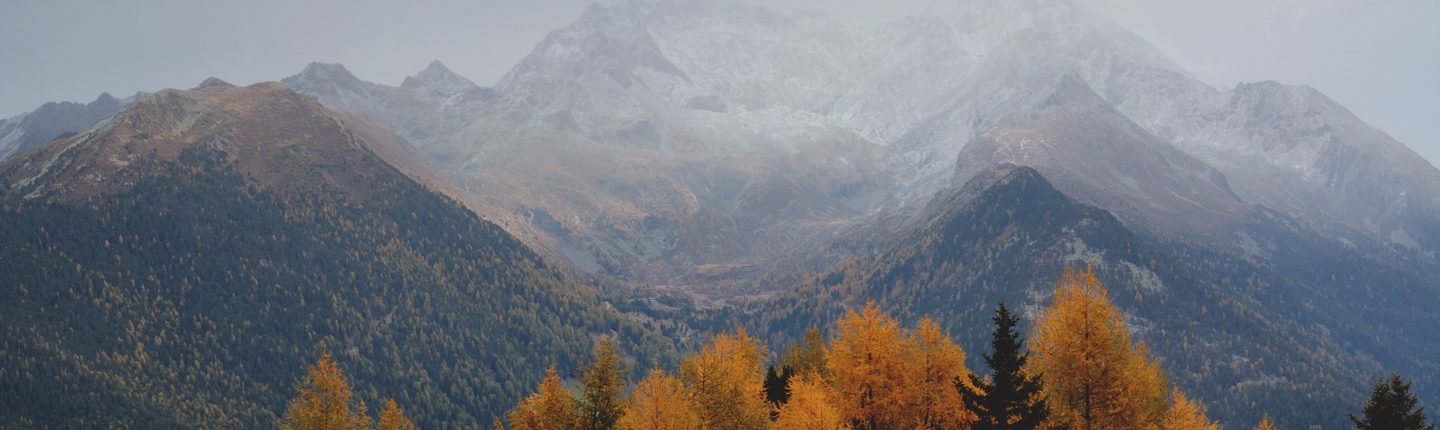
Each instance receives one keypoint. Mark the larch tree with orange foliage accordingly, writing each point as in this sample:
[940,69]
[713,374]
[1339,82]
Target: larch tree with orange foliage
[811,406]
[325,401]
[549,408]
[392,418]
[937,404]
[872,361]
[1186,414]
[1095,376]
[660,402]
[1265,423]
[727,383]
[807,357]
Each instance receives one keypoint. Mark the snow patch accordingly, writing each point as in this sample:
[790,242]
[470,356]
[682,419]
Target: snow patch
[1079,251]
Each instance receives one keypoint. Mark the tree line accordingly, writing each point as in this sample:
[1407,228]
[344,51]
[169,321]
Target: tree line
[1081,371]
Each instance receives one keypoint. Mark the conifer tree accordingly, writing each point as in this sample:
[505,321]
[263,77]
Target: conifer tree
[777,383]
[324,401]
[872,360]
[550,408]
[1392,407]
[601,403]
[1186,414]
[659,402]
[392,418]
[807,357]
[1265,423]
[1095,377]
[1010,399]
[811,406]
[941,362]
[803,358]
[726,383]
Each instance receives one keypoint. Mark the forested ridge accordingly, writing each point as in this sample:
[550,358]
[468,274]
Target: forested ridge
[180,265]
[1079,369]
[193,298]
[1241,333]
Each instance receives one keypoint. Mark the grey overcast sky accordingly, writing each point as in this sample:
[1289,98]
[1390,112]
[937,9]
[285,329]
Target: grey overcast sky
[1379,58]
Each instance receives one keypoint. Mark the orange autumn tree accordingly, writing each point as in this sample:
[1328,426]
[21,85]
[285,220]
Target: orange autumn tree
[885,378]
[873,361]
[1186,414]
[1095,376]
[1265,423]
[660,402]
[937,403]
[550,408]
[726,382]
[808,356]
[811,406]
[391,418]
[325,401]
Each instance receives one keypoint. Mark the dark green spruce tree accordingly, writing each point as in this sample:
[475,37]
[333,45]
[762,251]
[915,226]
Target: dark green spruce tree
[777,383]
[1010,399]
[602,403]
[1392,407]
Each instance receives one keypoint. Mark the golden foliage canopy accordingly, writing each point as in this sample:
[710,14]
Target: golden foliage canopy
[550,408]
[392,418]
[726,383]
[660,402]
[325,401]
[1186,414]
[1095,376]
[811,406]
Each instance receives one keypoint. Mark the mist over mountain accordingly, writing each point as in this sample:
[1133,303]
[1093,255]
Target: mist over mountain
[656,172]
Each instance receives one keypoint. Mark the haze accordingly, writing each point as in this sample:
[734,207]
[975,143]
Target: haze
[1380,59]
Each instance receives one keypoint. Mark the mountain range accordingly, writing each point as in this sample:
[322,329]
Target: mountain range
[176,265]
[774,169]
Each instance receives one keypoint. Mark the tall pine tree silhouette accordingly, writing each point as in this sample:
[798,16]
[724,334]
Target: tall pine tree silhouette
[1392,407]
[1010,399]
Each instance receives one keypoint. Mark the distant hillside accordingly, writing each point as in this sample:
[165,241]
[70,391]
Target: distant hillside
[1245,335]
[178,266]
[52,121]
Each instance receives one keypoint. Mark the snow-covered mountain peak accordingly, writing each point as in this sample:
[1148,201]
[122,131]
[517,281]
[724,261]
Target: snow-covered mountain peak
[328,82]
[606,42]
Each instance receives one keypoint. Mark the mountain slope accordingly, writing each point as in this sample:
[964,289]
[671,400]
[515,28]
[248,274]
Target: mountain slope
[178,265]
[612,164]
[1233,331]
[1091,151]
[53,120]
[1293,149]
